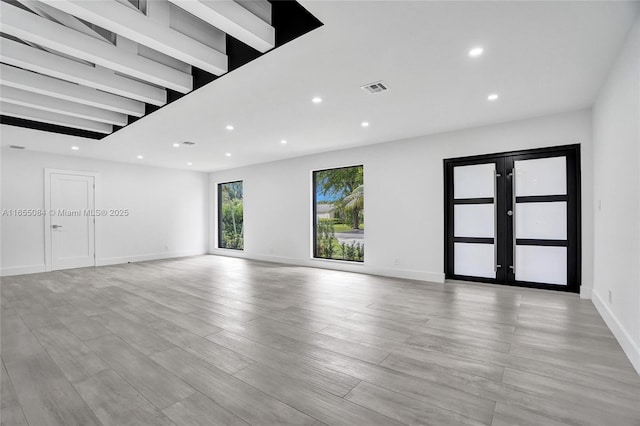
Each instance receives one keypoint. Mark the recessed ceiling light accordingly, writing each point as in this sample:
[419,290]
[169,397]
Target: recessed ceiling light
[365,124]
[189,164]
[492,97]
[283,141]
[140,157]
[476,51]
[230,127]
[228,154]
[75,148]
[316,100]
[176,145]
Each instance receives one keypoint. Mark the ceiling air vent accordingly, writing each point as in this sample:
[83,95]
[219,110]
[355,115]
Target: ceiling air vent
[374,88]
[188,143]
[16,147]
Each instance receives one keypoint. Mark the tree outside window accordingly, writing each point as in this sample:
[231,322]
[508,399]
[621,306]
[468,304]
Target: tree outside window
[339,213]
[230,216]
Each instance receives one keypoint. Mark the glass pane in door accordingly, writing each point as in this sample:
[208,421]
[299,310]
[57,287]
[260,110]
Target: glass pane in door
[541,176]
[475,181]
[540,264]
[542,221]
[473,220]
[474,260]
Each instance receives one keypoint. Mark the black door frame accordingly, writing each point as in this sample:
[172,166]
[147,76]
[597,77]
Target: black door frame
[504,163]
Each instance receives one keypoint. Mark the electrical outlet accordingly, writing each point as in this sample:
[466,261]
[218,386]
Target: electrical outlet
[610,297]
[396,261]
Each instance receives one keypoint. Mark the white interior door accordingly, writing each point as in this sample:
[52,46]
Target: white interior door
[72,223]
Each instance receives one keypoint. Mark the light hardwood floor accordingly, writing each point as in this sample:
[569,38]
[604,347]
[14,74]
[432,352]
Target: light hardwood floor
[214,341]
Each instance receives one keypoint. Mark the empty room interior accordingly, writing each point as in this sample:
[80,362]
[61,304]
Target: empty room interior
[442,219]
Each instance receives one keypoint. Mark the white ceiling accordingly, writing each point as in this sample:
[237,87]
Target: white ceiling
[540,57]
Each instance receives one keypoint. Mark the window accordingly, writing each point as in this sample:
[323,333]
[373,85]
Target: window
[338,213]
[230,216]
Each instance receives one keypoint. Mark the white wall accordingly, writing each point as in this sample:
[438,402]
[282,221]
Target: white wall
[168,210]
[616,136]
[404,216]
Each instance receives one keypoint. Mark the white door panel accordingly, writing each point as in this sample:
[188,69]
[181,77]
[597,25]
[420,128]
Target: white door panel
[72,224]
[475,181]
[476,260]
[541,264]
[474,220]
[547,221]
[541,176]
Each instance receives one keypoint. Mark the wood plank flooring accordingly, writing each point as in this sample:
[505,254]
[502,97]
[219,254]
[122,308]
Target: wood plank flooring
[212,340]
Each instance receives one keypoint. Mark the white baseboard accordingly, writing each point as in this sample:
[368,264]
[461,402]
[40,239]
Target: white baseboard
[144,257]
[630,348]
[34,269]
[22,270]
[338,265]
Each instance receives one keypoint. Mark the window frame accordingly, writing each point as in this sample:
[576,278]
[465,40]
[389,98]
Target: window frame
[219,215]
[314,214]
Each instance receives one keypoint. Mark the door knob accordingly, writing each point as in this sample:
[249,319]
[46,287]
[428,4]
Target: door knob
[510,213]
[56,226]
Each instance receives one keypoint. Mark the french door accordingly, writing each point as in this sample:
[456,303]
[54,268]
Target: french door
[514,218]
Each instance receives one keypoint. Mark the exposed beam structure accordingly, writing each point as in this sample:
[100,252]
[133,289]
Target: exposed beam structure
[27,113]
[128,4]
[62,18]
[38,8]
[260,8]
[89,67]
[44,85]
[135,26]
[234,20]
[33,28]
[11,95]
[20,55]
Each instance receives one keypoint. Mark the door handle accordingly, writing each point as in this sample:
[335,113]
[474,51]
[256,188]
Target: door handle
[496,175]
[513,218]
[56,226]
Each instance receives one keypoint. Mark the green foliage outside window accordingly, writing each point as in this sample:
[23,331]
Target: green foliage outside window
[339,210]
[231,216]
